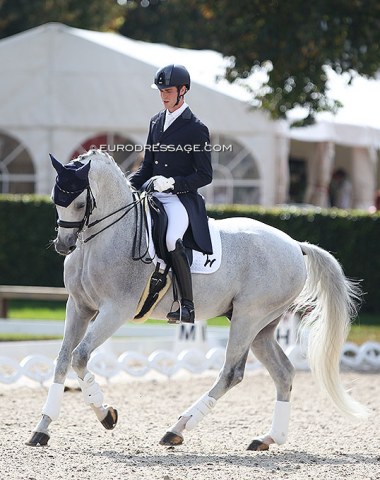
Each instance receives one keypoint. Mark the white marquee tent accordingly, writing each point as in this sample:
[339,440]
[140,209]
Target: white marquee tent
[348,140]
[60,86]
[357,123]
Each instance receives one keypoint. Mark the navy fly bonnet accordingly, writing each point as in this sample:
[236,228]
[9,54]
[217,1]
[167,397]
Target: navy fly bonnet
[71,181]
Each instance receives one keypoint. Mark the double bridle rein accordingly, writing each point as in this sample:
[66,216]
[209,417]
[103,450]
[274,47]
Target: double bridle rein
[137,205]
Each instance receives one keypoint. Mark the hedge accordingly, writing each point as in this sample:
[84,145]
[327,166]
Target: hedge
[27,225]
[350,235]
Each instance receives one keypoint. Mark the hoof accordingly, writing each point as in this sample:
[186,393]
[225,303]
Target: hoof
[38,439]
[171,439]
[110,421]
[258,446]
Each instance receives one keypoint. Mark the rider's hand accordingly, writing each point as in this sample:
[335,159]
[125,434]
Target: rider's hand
[161,184]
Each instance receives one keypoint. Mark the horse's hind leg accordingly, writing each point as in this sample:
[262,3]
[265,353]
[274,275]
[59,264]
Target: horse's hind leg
[242,333]
[75,327]
[270,354]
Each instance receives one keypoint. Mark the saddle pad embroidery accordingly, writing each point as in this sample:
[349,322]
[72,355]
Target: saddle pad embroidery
[201,263]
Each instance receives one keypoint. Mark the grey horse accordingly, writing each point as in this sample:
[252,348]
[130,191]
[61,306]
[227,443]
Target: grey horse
[262,274]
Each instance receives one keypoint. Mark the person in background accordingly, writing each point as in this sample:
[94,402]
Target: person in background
[340,190]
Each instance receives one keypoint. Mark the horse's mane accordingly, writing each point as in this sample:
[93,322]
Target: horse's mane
[101,156]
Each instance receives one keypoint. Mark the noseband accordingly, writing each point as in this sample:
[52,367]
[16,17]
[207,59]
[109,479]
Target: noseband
[90,205]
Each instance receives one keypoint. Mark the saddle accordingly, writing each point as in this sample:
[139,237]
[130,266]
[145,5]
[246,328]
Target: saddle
[159,229]
[158,283]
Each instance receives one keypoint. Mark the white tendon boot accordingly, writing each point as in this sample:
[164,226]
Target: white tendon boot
[53,402]
[50,411]
[198,411]
[280,422]
[91,390]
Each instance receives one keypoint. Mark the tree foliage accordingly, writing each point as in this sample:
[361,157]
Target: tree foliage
[292,40]
[19,15]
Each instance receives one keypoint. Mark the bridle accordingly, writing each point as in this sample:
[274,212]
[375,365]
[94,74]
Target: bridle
[137,205]
[90,205]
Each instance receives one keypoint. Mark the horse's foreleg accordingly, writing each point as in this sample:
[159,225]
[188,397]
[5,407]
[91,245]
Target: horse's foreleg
[271,355]
[74,331]
[105,324]
[240,339]
[50,412]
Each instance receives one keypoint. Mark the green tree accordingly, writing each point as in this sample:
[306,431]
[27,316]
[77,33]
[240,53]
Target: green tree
[292,40]
[19,15]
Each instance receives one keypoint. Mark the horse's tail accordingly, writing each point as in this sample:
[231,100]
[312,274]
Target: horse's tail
[328,303]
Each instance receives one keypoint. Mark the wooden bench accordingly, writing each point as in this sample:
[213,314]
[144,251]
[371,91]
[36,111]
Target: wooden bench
[8,292]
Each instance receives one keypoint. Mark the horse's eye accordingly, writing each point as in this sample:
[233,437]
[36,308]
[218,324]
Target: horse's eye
[79,206]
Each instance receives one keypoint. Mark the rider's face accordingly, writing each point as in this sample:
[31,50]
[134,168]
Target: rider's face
[169,98]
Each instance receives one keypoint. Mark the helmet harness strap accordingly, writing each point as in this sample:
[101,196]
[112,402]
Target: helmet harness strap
[179,96]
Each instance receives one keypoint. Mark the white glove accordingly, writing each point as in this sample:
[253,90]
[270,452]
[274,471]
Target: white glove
[161,184]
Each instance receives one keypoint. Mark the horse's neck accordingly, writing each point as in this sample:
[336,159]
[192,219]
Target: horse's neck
[110,189]
[114,211]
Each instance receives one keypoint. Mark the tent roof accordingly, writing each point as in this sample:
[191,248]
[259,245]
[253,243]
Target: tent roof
[55,76]
[357,123]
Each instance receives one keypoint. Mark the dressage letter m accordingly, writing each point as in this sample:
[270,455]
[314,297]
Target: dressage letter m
[187,332]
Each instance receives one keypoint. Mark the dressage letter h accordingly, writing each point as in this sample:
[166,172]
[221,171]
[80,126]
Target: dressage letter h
[283,337]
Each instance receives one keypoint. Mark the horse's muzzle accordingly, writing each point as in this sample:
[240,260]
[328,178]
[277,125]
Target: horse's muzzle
[64,248]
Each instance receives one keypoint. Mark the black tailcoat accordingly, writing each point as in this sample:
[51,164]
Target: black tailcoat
[182,151]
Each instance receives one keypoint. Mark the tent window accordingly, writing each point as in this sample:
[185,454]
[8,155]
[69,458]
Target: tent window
[17,173]
[120,148]
[236,176]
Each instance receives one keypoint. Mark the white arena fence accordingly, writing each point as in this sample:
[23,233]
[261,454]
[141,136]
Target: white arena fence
[194,349]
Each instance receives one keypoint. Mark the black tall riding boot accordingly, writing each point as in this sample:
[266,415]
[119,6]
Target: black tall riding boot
[181,268]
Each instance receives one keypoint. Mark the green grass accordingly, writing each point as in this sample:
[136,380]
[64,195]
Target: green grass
[19,337]
[365,328]
[43,310]
[36,310]
[364,333]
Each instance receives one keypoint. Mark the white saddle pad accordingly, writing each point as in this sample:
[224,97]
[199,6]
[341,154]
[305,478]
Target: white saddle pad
[201,263]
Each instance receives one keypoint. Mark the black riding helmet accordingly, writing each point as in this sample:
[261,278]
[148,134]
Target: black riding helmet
[172,76]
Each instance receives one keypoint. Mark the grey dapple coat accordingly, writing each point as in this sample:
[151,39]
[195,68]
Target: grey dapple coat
[105,283]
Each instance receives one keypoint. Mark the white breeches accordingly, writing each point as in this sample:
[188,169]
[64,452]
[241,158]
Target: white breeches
[178,220]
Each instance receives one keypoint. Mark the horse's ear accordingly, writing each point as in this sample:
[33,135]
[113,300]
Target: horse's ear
[56,164]
[82,172]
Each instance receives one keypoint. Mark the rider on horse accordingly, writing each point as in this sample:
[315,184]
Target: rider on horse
[178,162]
